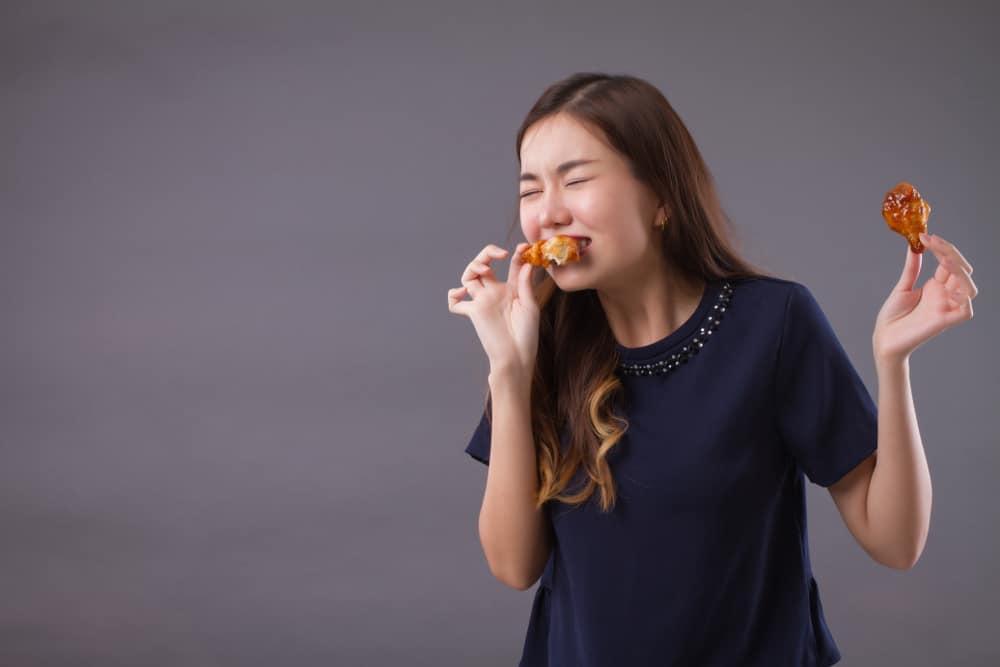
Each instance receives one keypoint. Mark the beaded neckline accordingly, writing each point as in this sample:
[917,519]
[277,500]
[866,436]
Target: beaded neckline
[693,346]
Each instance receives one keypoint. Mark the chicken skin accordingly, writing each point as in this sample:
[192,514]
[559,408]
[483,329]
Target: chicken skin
[906,213]
[559,249]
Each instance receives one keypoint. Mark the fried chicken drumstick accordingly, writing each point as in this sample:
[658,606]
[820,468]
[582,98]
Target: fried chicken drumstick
[559,249]
[906,212]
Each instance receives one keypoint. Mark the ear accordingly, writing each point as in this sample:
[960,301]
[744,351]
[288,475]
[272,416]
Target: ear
[663,211]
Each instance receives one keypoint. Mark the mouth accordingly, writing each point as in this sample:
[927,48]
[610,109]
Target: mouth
[583,248]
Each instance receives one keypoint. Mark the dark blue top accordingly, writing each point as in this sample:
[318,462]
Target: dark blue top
[705,559]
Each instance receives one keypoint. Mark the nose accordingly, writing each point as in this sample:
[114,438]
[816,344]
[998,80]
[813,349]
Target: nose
[552,212]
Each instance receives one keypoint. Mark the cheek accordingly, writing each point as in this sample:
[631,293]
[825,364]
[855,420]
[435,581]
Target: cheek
[595,206]
[529,228]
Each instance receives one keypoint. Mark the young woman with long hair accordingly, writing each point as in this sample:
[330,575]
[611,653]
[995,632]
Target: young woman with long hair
[652,408]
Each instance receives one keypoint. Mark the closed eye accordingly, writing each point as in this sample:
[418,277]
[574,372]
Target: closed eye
[531,192]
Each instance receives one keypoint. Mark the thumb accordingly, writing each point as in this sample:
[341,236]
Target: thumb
[524,290]
[515,266]
[911,270]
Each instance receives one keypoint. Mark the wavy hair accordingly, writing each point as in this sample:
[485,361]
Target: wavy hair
[574,387]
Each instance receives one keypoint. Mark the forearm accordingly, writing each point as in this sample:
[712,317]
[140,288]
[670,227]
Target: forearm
[899,493]
[512,530]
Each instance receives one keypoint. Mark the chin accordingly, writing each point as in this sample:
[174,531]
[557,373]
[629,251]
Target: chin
[568,279]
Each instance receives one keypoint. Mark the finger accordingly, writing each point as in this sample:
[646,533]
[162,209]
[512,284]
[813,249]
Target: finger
[484,271]
[471,272]
[942,248]
[516,262]
[472,283]
[544,289]
[490,252]
[455,303]
[960,279]
[950,251]
[474,275]
[963,307]
[525,291]
[942,273]
[944,269]
[911,270]
[481,262]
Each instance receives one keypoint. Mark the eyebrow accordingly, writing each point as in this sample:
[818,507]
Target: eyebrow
[561,169]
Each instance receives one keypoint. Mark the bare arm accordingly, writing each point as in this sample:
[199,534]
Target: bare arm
[514,534]
[899,494]
[886,500]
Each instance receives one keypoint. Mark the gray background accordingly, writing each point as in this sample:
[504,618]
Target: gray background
[234,403]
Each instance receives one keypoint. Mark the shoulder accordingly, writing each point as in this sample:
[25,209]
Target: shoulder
[775,312]
[773,286]
[772,297]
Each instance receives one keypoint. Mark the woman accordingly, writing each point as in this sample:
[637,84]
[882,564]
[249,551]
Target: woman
[653,407]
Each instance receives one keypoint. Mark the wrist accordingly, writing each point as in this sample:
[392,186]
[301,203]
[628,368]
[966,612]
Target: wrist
[508,372]
[886,356]
[891,362]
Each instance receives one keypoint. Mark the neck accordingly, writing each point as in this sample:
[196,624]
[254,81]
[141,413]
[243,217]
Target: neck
[652,306]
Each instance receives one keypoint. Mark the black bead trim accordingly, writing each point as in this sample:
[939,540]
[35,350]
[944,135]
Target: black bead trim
[693,346]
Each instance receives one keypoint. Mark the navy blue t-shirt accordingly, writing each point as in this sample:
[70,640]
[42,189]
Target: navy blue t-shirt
[705,560]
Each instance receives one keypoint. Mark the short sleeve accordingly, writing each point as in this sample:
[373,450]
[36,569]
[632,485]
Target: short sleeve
[479,444]
[826,418]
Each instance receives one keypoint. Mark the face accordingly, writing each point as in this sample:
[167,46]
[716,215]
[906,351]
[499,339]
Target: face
[574,183]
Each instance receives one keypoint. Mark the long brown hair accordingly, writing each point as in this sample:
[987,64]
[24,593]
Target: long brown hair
[574,385]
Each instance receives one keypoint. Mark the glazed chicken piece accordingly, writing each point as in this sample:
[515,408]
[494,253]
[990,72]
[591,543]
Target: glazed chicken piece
[906,212]
[559,249]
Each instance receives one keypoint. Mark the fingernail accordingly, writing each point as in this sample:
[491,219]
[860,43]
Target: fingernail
[925,238]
